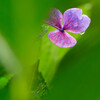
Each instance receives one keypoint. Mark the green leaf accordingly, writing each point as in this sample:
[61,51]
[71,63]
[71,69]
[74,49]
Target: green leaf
[4,80]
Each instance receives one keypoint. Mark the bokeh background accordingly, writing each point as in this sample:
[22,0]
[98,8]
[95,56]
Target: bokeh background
[33,68]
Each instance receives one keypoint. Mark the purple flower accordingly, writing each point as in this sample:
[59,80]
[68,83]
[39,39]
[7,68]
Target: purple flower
[73,21]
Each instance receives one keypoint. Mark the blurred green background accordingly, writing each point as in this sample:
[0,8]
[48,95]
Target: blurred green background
[33,68]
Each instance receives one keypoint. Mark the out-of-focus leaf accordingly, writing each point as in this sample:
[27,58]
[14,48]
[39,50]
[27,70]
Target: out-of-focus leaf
[4,80]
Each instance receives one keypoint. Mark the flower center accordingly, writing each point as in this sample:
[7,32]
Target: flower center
[62,29]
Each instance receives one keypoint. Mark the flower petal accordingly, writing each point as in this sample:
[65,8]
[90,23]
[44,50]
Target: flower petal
[74,21]
[62,39]
[55,19]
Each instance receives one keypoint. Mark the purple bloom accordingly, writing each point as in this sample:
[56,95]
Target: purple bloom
[73,21]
